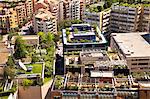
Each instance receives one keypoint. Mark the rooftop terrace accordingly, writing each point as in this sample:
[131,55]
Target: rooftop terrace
[82,34]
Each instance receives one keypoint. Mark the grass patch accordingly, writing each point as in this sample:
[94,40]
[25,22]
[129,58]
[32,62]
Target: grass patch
[4,97]
[37,68]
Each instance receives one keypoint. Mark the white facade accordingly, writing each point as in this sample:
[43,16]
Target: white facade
[45,22]
[74,7]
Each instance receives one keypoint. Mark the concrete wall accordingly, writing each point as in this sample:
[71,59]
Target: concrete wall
[144,94]
[13,96]
[45,88]
[31,92]
[34,92]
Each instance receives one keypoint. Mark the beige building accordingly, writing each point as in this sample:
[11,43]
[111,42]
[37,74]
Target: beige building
[125,18]
[129,17]
[16,14]
[145,18]
[99,18]
[134,48]
[8,20]
[53,6]
[24,11]
[45,22]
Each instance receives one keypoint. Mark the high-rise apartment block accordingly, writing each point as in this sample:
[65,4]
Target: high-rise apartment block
[8,20]
[145,18]
[63,9]
[129,17]
[75,9]
[45,22]
[17,12]
[125,18]
[98,17]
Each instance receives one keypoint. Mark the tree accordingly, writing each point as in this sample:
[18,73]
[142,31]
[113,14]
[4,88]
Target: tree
[10,61]
[56,38]
[20,48]
[67,33]
[48,69]
[42,37]
[9,69]
[49,37]
[27,83]
[99,8]
[107,4]
[34,58]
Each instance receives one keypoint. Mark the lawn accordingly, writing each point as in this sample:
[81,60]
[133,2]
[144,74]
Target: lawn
[4,97]
[37,68]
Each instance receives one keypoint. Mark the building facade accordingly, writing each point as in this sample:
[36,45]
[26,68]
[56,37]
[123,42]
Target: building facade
[45,22]
[133,48]
[129,17]
[15,13]
[125,18]
[99,17]
[8,20]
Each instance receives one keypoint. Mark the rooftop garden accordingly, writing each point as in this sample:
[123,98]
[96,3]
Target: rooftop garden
[138,75]
[58,82]
[99,6]
[29,54]
[129,5]
[32,69]
[82,34]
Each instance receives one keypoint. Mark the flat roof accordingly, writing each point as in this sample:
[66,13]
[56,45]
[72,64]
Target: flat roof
[44,14]
[102,41]
[132,44]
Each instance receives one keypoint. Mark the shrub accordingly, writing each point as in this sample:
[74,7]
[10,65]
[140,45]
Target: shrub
[27,83]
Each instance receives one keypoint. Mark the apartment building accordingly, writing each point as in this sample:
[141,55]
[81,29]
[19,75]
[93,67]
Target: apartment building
[71,9]
[129,17]
[61,9]
[29,8]
[8,20]
[15,13]
[45,22]
[82,8]
[75,9]
[66,9]
[54,6]
[21,13]
[125,18]
[134,48]
[145,18]
[98,17]
[83,36]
